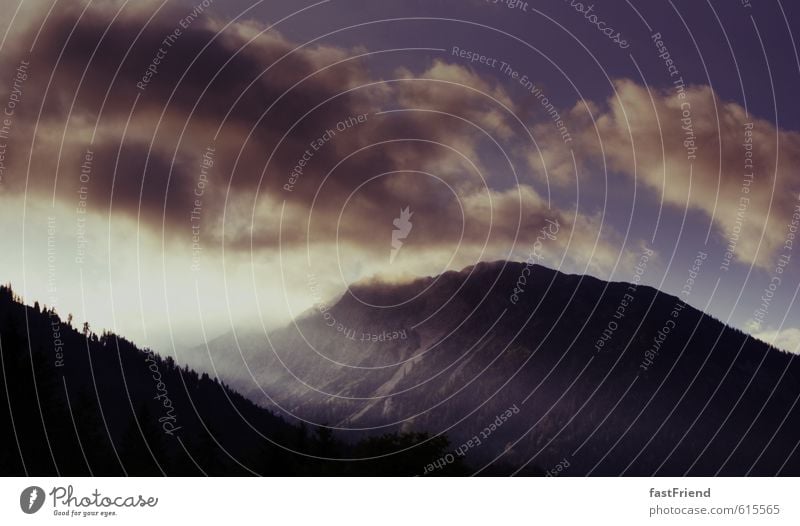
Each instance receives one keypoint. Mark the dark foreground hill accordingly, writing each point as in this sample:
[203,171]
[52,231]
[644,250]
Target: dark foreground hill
[75,403]
[568,373]
[562,374]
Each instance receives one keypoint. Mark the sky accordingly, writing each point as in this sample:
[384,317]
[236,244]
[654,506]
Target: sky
[174,169]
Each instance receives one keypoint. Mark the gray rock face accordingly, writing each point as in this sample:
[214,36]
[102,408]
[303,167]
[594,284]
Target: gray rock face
[562,377]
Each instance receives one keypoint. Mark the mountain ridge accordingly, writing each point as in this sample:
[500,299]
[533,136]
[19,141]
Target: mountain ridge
[83,404]
[554,348]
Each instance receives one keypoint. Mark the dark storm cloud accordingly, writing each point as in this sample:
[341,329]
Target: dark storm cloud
[151,131]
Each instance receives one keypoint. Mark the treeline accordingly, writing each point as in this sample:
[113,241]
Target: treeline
[74,403]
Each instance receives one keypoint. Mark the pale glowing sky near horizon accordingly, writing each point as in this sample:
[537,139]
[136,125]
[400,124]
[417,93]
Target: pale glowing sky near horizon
[475,156]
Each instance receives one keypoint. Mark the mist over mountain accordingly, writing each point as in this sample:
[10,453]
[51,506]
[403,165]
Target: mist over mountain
[75,403]
[477,371]
[194,174]
[554,373]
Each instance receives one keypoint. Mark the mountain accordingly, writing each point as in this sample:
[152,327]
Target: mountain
[554,373]
[77,403]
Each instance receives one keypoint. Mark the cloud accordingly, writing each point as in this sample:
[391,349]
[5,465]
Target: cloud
[302,132]
[648,134]
[786,339]
[421,143]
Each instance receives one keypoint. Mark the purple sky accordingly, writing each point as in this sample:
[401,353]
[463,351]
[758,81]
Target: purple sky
[171,250]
